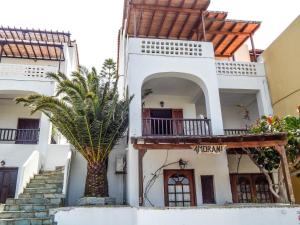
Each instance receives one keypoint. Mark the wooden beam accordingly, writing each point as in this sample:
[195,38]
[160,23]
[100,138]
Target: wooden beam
[174,20]
[233,40]
[140,20]
[162,21]
[230,145]
[186,20]
[286,173]
[253,48]
[141,176]
[151,20]
[165,8]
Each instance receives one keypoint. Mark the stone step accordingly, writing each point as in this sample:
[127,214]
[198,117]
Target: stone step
[35,201]
[27,221]
[41,195]
[23,214]
[47,181]
[44,185]
[42,190]
[51,172]
[30,207]
[46,177]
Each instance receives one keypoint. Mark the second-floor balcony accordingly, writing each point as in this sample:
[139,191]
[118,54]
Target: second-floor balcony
[176,127]
[19,136]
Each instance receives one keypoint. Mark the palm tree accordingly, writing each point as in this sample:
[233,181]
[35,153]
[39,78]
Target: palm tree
[88,111]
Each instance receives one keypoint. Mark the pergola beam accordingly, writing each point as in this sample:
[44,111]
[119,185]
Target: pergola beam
[165,8]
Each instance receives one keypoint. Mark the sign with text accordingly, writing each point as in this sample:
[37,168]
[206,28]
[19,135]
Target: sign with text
[212,149]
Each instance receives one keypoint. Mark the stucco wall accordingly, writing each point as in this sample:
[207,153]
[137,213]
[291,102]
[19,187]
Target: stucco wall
[10,112]
[279,215]
[173,102]
[282,66]
[203,164]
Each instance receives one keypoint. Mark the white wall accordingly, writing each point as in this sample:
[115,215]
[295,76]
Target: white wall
[10,112]
[78,173]
[203,164]
[245,165]
[172,102]
[242,54]
[280,215]
[56,155]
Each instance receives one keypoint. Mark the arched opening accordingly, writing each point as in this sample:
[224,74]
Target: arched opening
[174,104]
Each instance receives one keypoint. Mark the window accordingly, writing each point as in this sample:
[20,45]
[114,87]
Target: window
[250,188]
[179,188]
[263,194]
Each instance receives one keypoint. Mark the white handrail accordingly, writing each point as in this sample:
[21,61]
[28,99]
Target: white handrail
[67,173]
[28,170]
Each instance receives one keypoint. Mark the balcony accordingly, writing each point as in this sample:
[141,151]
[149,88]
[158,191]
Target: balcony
[176,127]
[167,47]
[251,69]
[19,136]
[233,132]
[25,72]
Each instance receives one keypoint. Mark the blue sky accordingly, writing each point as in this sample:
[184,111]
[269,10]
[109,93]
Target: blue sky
[95,23]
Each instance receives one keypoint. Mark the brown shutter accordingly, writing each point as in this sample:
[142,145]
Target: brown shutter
[146,122]
[177,116]
[208,194]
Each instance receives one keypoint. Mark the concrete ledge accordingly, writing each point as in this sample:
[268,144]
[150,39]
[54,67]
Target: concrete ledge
[262,214]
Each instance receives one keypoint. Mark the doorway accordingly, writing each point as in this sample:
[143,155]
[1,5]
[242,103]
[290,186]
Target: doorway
[27,131]
[8,182]
[179,188]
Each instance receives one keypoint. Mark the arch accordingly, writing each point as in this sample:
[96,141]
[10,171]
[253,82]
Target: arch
[194,78]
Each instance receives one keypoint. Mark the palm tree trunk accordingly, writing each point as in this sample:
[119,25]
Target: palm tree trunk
[96,180]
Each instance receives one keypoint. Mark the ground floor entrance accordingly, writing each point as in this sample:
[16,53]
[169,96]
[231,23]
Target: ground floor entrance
[8,181]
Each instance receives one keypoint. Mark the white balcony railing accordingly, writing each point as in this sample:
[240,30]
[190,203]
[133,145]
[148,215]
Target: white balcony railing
[166,47]
[24,72]
[228,68]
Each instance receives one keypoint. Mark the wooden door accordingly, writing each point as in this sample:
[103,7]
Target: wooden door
[146,122]
[8,181]
[179,188]
[177,115]
[208,194]
[27,131]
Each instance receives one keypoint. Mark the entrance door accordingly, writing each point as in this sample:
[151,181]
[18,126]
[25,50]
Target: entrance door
[179,188]
[28,132]
[250,188]
[208,194]
[8,181]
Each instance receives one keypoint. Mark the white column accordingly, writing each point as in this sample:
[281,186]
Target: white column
[264,101]
[213,108]
[44,137]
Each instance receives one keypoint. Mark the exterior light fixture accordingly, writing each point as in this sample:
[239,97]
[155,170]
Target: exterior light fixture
[182,164]
[2,163]
[162,104]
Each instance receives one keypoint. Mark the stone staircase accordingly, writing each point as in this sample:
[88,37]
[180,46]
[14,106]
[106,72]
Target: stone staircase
[42,193]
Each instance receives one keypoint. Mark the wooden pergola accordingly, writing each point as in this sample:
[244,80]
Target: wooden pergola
[33,44]
[278,141]
[187,20]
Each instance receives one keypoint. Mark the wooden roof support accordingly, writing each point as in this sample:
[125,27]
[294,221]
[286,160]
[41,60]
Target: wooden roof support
[151,20]
[186,20]
[165,8]
[140,20]
[253,47]
[286,173]
[175,19]
[162,21]
[233,40]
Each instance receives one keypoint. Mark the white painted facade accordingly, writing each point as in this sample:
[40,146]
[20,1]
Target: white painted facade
[19,78]
[262,215]
[188,76]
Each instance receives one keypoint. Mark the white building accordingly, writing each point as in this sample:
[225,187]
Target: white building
[195,88]
[27,141]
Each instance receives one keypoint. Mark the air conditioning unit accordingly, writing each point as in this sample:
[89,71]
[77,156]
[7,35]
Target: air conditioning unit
[120,164]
